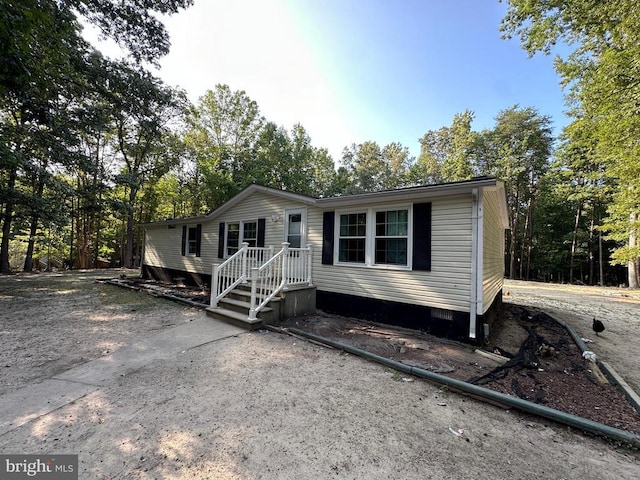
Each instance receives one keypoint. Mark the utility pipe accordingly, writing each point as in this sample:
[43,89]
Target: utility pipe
[480,392]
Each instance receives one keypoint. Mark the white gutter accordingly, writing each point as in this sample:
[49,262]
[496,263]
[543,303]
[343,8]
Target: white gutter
[480,254]
[473,305]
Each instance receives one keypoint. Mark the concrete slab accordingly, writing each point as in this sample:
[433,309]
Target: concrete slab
[23,405]
[161,346]
[29,403]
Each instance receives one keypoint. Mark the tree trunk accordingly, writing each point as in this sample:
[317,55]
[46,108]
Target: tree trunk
[71,236]
[634,272]
[83,248]
[128,249]
[574,241]
[35,218]
[530,237]
[28,258]
[634,263]
[7,219]
[514,235]
[592,226]
[524,246]
[600,265]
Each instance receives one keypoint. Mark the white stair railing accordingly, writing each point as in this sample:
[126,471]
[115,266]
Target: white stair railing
[235,269]
[289,267]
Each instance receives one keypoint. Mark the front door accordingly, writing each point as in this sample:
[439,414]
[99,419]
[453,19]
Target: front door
[295,227]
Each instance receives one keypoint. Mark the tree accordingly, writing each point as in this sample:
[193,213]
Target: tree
[367,167]
[40,46]
[133,25]
[603,77]
[581,179]
[398,160]
[518,151]
[224,131]
[446,155]
[272,156]
[42,70]
[143,111]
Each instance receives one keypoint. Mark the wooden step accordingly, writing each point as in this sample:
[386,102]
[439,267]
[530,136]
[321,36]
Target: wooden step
[239,306]
[234,318]
[245,295]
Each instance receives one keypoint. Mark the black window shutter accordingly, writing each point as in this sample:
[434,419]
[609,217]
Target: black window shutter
[261,228]
[422,236]
[221,240]
[198,238]
[328,230]
[184,240]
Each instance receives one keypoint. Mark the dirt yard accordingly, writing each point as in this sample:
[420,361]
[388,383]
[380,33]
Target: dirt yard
[264,405]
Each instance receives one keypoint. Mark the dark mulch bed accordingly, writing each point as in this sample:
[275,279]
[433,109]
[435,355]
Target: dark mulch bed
[549,369]
[545,365]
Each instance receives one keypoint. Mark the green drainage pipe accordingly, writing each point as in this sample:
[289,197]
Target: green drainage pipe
[480,392]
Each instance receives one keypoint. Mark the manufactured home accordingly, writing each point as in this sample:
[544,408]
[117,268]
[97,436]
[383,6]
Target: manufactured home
[428,257]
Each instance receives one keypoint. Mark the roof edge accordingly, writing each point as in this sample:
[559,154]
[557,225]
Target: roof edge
[237,198]
[410,192]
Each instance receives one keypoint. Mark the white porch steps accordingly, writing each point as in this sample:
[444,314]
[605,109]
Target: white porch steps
[234,309]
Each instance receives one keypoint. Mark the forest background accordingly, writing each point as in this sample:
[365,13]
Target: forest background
[91,147]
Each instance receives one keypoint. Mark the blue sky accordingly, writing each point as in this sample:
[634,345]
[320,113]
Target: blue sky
[357,70]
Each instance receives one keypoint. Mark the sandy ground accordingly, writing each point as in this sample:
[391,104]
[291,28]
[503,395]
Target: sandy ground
[257,405]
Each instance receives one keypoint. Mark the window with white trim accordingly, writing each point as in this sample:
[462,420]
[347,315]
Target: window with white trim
[239,232]
[250,233]
[192,240]
[352,238]
[392,237]
[374,237]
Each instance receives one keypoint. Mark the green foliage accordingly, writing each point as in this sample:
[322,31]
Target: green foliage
[603,77]
[233,146]
[57,110]
[447,154]
[369,168]
[133,25]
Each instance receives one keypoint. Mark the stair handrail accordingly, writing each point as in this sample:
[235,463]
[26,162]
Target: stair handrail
[228,274]
[268,284]
[278,274]
[235,270]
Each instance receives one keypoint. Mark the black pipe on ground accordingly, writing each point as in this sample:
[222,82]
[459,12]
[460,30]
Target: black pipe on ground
[478,392]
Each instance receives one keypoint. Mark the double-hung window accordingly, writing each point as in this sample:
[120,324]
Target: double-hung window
[250,233]
[192,240]
[352,238]
[374,237]
[239,232]
[392,237]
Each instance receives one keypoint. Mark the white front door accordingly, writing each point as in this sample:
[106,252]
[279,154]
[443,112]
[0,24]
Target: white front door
[295,227]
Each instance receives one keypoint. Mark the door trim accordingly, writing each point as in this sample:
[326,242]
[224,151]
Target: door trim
[303,226]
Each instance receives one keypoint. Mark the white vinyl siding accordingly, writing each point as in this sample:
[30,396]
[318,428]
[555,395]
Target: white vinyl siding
[446,286]
[163,245]
[493,250]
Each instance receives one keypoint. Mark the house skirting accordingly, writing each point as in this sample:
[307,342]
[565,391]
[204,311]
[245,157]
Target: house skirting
[170,275]
[442,323]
